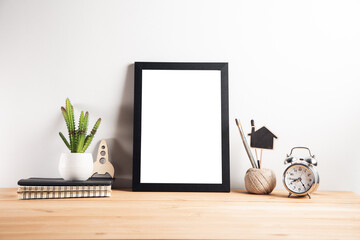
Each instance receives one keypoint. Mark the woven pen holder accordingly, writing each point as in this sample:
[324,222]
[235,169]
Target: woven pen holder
[260,181]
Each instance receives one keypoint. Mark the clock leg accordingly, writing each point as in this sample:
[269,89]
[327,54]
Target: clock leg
[309,196]
[289,195]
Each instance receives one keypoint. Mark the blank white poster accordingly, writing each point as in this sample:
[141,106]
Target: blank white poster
[181,126]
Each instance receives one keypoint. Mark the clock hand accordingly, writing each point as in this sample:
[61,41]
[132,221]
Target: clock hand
[303,184]
[299,178]
[294,180]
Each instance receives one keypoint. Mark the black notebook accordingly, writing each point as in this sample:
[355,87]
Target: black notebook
[62,182]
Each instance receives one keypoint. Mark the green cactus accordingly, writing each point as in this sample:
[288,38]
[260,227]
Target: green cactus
[90,137]
[79,141]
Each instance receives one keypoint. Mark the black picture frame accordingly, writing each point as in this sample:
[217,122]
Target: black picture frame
[224,186]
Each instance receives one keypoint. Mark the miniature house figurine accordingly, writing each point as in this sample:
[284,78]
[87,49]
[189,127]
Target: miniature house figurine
[262,138]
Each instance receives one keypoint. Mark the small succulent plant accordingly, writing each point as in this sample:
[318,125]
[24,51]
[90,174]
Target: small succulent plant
[79,141]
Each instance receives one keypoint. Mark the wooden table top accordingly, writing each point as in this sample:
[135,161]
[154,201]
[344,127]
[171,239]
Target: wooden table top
[165,215]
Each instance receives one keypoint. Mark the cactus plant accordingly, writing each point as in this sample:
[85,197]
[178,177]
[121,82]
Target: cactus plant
[78,140]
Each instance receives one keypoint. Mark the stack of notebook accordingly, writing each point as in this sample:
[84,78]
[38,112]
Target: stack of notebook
[40,188]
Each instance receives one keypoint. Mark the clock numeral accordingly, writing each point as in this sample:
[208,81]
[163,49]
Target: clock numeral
[300,169]
[299,189]
[291,174]
[309,175]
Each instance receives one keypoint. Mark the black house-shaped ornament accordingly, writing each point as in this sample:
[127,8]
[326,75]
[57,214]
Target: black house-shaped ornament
[262,138]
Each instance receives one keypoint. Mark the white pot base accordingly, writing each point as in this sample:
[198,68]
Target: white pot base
[76,166]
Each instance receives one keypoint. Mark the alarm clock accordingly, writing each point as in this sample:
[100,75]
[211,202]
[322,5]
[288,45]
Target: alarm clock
[301,177]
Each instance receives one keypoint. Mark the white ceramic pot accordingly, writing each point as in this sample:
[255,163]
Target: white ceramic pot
[76,166]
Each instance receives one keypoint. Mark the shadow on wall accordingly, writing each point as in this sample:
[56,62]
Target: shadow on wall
[121,147]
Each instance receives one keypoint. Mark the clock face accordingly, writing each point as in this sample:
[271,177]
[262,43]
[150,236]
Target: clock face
[299,178]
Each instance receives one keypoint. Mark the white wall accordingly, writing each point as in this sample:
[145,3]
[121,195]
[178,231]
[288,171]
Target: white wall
[294,67]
